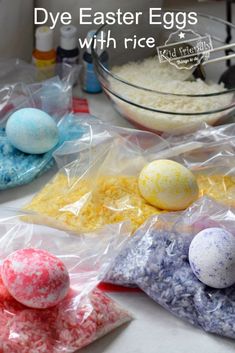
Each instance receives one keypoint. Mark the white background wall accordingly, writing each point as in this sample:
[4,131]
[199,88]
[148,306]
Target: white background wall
[215,8]
[73,6]
[16,17]
[16,28]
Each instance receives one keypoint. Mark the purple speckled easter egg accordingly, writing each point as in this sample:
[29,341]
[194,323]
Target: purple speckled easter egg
[212,257]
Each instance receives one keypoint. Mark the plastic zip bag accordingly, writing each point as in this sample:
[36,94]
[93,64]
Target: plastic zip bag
[54,97]
[210,154]
[17,70]
[99,185]
[20,88]
[156,260]
[18,168]
[85,314]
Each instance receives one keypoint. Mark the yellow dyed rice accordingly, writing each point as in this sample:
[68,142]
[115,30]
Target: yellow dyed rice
[220,187]
[114,199]
[83,207]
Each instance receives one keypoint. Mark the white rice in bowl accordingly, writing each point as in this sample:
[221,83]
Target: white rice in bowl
[152,75]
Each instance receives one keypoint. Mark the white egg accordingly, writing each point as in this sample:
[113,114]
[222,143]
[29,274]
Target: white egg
[212,257]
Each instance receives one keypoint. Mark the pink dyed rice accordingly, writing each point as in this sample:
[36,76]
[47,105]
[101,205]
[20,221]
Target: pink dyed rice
[65,328]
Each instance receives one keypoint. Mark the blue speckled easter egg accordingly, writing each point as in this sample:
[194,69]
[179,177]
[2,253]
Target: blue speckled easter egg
[212,257]
[32,131]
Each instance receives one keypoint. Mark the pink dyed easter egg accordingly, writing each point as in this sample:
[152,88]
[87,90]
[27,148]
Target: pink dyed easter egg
[35,278]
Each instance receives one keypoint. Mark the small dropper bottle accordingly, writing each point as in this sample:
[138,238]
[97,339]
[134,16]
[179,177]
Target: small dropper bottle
[68,51]
[90,82]
[44,55]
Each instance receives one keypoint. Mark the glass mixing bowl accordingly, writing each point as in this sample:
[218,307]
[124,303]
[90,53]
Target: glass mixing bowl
[173,107]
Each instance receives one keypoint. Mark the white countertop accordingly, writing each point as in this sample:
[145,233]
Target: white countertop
[154,330]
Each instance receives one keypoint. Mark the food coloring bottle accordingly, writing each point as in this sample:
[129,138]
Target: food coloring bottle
[67,52]
[44,55]
[90,82]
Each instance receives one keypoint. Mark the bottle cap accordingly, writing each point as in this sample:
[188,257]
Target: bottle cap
[68,39]
[44,38]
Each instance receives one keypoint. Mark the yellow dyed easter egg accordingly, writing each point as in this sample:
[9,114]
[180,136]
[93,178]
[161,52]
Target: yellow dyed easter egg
[168,185]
